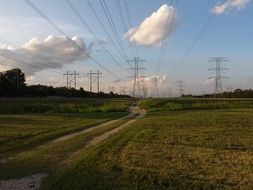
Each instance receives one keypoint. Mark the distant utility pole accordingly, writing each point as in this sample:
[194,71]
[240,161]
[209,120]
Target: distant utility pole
[71,78]
[136,76]
[94,77]
[219,63]
[181,87]
[155,91]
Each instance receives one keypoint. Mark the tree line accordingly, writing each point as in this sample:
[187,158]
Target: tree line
[238,93]
[13,84]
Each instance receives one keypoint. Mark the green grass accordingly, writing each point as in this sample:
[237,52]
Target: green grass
[180,144]
[62,105]
[154,105]
[201,149]
[25,131]
[26,123]
[51,156]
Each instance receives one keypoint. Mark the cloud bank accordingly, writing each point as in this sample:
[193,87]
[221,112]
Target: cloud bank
[155,28]
[52,53]
[229,5]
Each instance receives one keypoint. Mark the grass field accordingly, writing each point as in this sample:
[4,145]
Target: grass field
[185,149]
[26,123]
[51,156]
[62,105]
[193,144]
[24,131]
[154,105]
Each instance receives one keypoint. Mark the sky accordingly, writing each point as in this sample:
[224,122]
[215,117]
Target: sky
[174,37]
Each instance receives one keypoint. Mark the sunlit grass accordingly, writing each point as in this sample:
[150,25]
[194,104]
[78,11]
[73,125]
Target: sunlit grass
[180,144]
[169,150]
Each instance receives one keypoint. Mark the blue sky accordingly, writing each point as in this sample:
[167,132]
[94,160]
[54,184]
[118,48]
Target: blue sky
[229,35]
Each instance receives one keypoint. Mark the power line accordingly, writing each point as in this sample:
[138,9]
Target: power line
[27,70]
[123,20]
[53,24]
[119,8]
[63,33]
[165,39]
[19,47]
[38,66]
[25,63]
[198,37]
[105,30]
[130,25]
[113,27]
[93,34]
[128,13]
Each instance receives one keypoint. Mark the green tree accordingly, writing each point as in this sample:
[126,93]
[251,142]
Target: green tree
[15,78]
[12,82]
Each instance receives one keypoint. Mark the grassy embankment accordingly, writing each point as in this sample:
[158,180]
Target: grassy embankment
[205,144]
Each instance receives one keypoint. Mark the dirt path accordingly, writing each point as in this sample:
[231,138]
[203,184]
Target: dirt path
[33,182]
[66,137]
[27,183]
[134,111]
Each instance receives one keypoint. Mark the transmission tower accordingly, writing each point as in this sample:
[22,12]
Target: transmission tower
[136,76]
[169,93]
[154,90]
[219,63]
[144,92]
[181,87]
[94,77]
[71,78]
[143,86]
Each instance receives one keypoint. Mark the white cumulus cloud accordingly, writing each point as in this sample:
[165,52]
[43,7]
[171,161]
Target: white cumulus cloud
[52,53]
[155,28]
[229,5]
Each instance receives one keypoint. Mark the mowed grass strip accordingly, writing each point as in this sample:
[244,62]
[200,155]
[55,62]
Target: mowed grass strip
[24,131]
[52,156]
[170,150]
